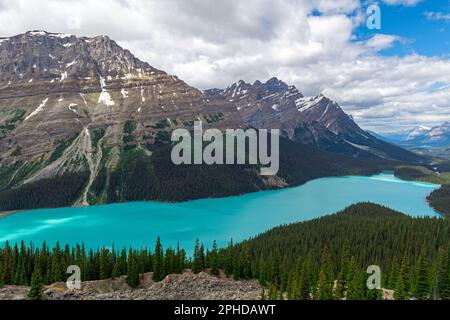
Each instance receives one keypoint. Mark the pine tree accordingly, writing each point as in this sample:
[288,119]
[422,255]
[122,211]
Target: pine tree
[104,265]
[393,275]
[356,287]
[229,259]
[442,276]
[341,285]
[326,278]
[305,282]
[275,270]
[237,268]
[422,280]
[401,291]
[158,264]
[246,267]
[133,270]
[83,263]
[36,289]
[273,292]
[179,261]
[294,285]
[2,274]
[120,268]
[169,262]
[262,273]
[197,263]
[202,258]
[214,260]
[7,264]
[57,273]
[182,261]
[323,290]
[20,276]
[284,273]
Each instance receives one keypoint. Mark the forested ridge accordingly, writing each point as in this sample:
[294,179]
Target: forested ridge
[146,172]
[45,193]
[440,200]
[322,259]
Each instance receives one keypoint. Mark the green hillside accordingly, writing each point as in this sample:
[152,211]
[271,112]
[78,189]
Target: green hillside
[146,172]
[322,259]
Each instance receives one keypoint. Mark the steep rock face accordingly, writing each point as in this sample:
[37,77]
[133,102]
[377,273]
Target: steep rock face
[329,114]
[57,88]
[85,107]
[264,105]
[317,121]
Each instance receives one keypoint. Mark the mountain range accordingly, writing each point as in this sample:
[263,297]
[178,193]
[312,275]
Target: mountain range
[316,121]
[83,121]
[421,136]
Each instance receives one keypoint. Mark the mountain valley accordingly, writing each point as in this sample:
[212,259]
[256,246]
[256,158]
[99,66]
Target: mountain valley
[85,122]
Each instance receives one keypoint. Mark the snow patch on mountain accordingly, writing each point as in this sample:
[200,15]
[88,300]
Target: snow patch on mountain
[71,64]
[49,34]
[72,107]
[63,76]
[142,95]
[307,103]
[38,109]
[104,97]
[124,93]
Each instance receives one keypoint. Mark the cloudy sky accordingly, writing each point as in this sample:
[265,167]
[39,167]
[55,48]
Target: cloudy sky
[388,79]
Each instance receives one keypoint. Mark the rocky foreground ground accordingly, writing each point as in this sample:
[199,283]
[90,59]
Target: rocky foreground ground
[187,286]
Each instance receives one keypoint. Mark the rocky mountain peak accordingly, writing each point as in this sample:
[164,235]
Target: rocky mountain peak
[417,131]
[321,102]
[237,89]
[438,136]
[271,88]
[442,130]
[41,55]
[57,87]
[275,85]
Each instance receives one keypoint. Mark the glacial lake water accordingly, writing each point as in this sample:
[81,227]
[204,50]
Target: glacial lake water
[138,224]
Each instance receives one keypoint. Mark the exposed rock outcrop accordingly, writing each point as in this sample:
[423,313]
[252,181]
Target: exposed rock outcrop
[186,286]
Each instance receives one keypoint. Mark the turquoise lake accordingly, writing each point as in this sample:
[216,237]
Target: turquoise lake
[138,224]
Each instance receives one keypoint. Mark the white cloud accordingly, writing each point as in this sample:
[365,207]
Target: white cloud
[437,16]
[381,41]
[214,43]
[402,2]
[337,6]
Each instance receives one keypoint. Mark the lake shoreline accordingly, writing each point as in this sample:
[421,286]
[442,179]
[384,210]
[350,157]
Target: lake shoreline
[135,224]
[4,214]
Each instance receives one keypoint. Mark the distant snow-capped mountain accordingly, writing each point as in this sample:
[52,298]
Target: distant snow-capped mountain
[438,136]
[420,137]
[416,132]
